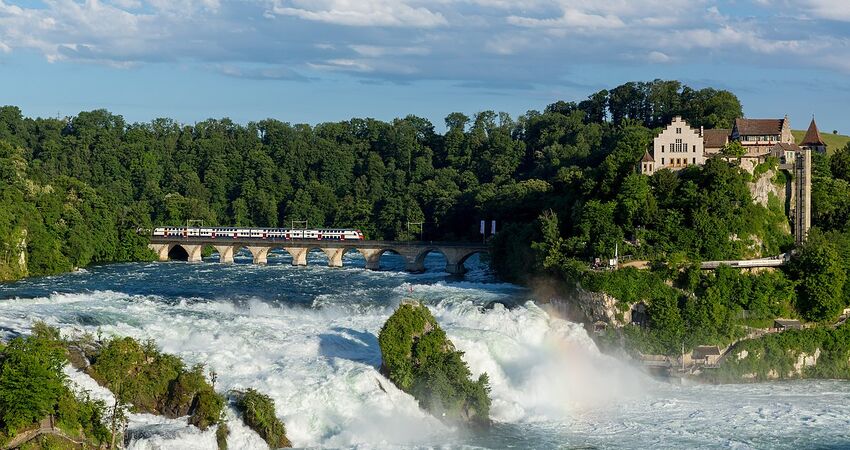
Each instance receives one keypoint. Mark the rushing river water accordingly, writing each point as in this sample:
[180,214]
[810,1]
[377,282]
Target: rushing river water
[308,337]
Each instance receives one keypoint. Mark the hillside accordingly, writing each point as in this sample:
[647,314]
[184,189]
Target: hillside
[833,141]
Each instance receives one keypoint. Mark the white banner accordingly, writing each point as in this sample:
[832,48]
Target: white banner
[482,227]
[493,227]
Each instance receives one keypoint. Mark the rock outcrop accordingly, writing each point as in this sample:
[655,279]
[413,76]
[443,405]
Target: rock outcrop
[258,413]
[422,361]
[763,187]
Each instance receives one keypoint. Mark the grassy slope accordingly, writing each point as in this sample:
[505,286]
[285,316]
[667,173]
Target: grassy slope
[833,141]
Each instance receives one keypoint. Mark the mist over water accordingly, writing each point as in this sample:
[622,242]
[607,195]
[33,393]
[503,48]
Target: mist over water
[307,336]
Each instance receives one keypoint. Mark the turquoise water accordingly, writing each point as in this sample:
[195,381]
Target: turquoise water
[307,336]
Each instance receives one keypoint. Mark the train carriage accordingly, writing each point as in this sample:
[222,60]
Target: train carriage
[339,234]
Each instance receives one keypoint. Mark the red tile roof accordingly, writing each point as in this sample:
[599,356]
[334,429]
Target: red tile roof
[716,137]
[647,158]
[759,127]
[784,146]
[812,137]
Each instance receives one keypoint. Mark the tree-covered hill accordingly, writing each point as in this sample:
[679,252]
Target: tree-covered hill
[80,186]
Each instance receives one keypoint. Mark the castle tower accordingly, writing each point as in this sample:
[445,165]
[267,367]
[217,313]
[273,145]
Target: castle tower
[647,164]
[813,140]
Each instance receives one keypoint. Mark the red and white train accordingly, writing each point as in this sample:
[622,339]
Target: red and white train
[335,234]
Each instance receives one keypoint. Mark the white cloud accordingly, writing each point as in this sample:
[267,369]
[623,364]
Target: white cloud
[826,9]
[476,41]
[571,18]
[361,13]
[376,51]
[658,57]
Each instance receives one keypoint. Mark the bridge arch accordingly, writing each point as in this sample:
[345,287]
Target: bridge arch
[418,263]
[455,258]
[373,255]
[177,253]
[184,252]
[465,258]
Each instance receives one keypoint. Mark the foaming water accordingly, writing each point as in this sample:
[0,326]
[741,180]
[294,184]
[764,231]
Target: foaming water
[308,338]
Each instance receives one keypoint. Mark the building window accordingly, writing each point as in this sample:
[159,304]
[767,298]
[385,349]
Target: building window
[662,148]
[678,131]
[662,161]
[695,148]
[695,160]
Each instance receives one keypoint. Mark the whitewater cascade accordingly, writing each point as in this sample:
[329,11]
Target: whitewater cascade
[308,338]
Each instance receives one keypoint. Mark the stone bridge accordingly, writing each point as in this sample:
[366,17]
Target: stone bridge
[191,248]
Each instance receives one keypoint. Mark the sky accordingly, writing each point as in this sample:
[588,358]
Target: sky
[311,61]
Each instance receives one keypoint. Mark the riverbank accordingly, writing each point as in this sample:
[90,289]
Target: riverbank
[619,329]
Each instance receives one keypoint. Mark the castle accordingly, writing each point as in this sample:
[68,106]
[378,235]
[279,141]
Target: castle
[679,145]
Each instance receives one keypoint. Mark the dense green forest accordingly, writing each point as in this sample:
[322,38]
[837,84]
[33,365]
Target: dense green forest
[79,187]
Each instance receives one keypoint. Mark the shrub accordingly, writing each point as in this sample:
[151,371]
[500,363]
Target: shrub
[33,386]
[258,412]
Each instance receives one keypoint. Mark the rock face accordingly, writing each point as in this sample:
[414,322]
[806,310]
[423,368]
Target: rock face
[22,253]
[763,187]
[422,361]
[592,307]
[13,256]
[805,360]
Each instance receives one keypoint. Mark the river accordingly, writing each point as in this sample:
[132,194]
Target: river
[307,336]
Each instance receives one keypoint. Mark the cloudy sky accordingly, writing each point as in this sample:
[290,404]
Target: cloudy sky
[319,60]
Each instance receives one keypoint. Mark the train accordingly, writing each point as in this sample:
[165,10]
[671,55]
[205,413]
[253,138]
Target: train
[319,234]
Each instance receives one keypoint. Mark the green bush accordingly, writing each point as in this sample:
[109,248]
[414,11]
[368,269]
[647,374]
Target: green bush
[421,360]
[31,381]
[258,412]
[33,386]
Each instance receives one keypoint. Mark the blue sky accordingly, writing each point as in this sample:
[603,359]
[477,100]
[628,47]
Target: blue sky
[322,60]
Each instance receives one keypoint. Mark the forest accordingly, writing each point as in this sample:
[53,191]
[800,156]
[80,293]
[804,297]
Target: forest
[75,190]
[561,183]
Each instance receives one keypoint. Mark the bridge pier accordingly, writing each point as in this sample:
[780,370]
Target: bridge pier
[334,256]
[260,254]
[161,251]
[373,257]
[299,255]
[455,268]
[195,252]
[225,253]
[414,267]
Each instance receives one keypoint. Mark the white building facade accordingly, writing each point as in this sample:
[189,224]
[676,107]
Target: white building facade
[675,148]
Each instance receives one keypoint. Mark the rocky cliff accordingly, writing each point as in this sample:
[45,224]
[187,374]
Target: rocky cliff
[13,260]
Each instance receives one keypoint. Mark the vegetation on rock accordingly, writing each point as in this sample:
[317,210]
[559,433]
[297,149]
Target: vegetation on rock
[784,355]
[421,360]
[33,387]
[149,381]
[258,413]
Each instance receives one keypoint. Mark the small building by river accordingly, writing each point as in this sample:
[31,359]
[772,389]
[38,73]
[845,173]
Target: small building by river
[787,324]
